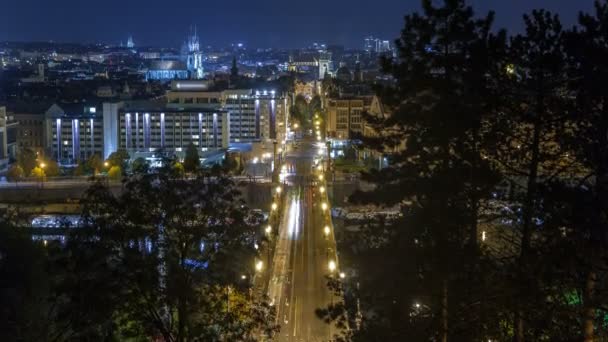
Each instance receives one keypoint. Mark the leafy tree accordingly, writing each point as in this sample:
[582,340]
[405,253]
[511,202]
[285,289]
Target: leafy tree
[177,169]
[192,160]
[51,168]
[94,164]
[15,173]
[172,246]
[115,172]
[38,173]
[119,158]
[140,165]
[27,159]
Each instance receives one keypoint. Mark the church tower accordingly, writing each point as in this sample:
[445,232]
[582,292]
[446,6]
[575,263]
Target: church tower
[195,56]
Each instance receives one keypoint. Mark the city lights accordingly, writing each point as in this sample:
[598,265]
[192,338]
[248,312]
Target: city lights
[324,206]
[321,189]
[326,230]
[259,265]
[278,189]
[332,266]
[274,206]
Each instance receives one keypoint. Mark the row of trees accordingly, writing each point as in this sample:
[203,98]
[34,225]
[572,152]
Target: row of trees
[167,259]
[503,184]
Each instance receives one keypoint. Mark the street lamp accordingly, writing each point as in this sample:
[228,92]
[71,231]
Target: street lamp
[326,230]
[259,265]
[320,177]
[332,266]
[42,165]
[321,189]
[324,206]
[274,206]
[279,189]
[342,275]
[268,229]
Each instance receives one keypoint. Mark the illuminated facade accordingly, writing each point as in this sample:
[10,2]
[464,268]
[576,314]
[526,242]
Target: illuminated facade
[344,116]
[142,128]
[73,132]
[166,70]
[195,56]
[255,115]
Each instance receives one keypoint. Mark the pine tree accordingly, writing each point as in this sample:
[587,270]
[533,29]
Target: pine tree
[439,105]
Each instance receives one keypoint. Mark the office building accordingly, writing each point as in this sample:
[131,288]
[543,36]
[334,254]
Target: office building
[255,115]
[145,128]
[344,116]
[73,132]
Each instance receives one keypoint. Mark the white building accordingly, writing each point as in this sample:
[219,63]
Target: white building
[146,127]
[255,115]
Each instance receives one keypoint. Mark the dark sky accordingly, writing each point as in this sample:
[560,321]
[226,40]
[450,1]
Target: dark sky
[260,23]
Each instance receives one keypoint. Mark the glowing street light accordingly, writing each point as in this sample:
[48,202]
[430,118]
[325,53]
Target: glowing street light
[274,206]
[342,275]
[326,230]
[321,189]
[321,177]
[106,164]
[42,165]
[324,206]
[332,266]
[279,189]
[259,265]
[268,229]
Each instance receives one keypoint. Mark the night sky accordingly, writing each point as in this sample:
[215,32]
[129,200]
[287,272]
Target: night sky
[262,23]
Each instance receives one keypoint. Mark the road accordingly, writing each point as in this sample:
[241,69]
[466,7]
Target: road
[298,282]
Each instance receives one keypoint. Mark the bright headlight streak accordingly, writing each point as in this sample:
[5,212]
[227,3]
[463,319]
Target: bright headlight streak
[291,223]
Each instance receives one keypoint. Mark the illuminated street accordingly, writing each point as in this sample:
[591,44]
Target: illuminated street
[304,252]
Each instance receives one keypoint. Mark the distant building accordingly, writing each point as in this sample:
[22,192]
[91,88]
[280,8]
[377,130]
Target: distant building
[8,141]
[73,132]
[376,45]
[194,56]
[30,129]
[320,63]
[254,114]
[166,70]
[130,43]
[344,116]
[148,128]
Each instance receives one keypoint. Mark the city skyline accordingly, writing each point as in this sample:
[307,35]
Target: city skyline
[219,24]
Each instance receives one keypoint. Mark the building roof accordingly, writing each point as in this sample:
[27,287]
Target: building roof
[161,106]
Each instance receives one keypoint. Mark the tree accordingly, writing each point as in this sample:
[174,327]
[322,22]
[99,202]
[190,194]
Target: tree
[440,107]
[38,173]
[51,168]
[15,173]
[234,71]
[583,208]
[177,169]
[192,160]
[115,172]
[27,159]
[173,243]
[531,127]
[94,164]
[119,158]
[140,165]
